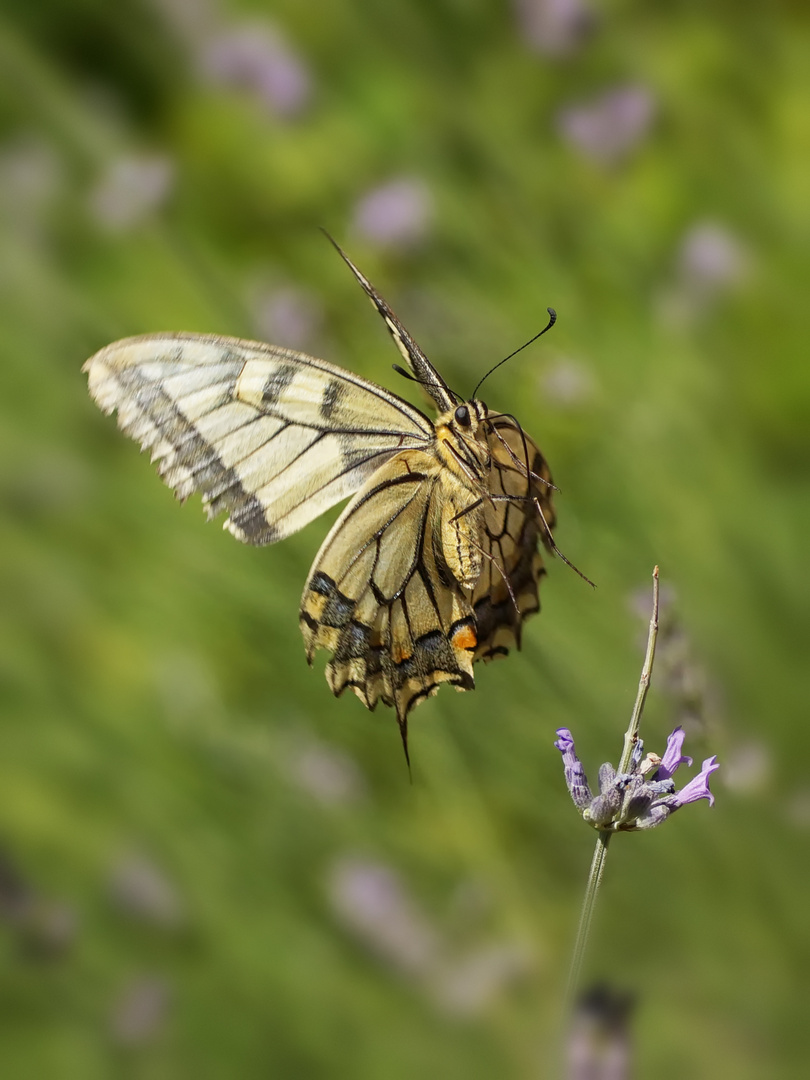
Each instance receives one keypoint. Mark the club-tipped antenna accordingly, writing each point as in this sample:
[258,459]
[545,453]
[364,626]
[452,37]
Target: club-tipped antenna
[552,319]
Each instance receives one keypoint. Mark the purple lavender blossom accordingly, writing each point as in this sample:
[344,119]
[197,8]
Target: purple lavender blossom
[698,786]
[373,902]
[554,27]
[140,1012]
[672,755]
[575,776]
[286,314]
[640,799]
[712,257]
[256,57]
[330,776]
[131,188]
[609,127]
[397,212]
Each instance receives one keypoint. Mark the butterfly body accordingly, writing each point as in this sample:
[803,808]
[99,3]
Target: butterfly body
[434,562]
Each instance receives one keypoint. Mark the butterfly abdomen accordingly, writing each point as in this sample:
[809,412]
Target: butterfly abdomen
[462,522]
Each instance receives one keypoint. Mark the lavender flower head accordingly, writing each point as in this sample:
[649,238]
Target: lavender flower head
[641,799]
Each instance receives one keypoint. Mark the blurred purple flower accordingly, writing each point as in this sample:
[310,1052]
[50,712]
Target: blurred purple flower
[329,775]
[609,127]
[749,767]
[798,809]
[554,27]
[45,928]
[31,175]
[255,57]
[566,382]
[638,602]
[370,899]
[190,20]
[372,902]
[469,984]
[711,257]
[131,188]
[397,212]
[598,1044]
[141,889]
[287,315]
[140,1011]
[710,261]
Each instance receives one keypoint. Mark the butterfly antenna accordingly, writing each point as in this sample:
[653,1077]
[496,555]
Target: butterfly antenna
[552,319]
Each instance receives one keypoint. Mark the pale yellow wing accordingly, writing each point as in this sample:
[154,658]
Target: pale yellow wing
[381,597]
[271,436]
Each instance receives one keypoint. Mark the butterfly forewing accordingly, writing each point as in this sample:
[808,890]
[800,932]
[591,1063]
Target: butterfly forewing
[270,436]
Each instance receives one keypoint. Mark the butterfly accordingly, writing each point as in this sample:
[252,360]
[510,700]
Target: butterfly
[432,565]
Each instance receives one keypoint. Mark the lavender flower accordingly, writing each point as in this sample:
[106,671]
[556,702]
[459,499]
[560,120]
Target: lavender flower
[712,258]
[396,213]
[286,314]
[554,27]
[672,755]
[641,799]
[140,1012]
[255,57]
[575,776]
[131,188]
[698,786]
[607,128]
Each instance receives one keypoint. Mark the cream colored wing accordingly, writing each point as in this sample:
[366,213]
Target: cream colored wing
[506,592]
[381,597]
[271,436]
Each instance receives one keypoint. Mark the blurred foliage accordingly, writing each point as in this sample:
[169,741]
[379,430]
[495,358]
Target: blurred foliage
[209,866]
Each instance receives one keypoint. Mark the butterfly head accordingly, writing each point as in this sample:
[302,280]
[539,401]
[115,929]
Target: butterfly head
[461,435]
[468,416]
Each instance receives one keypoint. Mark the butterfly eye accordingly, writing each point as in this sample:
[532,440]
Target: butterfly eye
[463,416]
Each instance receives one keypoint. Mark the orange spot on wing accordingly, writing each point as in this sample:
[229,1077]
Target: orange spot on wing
[465,638]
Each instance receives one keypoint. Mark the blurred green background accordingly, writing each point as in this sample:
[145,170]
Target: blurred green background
[208,866]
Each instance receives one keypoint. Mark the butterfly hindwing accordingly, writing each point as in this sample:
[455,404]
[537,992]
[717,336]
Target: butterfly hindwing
[270,436]
[381,597]
[506,592]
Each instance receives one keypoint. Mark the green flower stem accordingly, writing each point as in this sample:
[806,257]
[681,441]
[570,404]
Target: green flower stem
[603,837]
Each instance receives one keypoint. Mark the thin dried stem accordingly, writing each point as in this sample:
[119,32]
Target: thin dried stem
[603,838]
